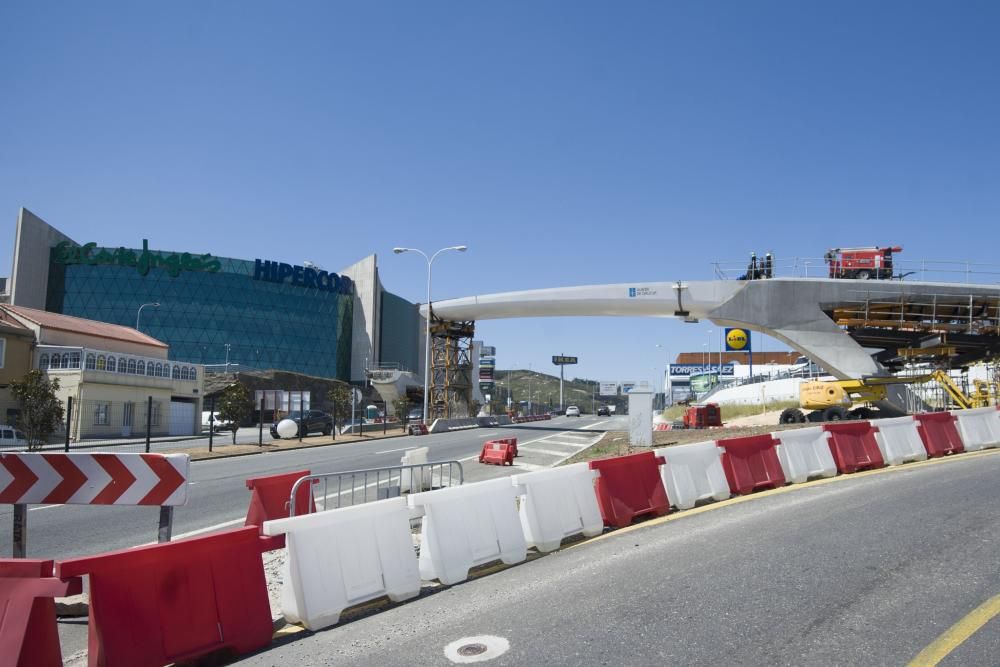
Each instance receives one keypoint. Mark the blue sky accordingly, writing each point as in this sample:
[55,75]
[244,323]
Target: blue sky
[566,143]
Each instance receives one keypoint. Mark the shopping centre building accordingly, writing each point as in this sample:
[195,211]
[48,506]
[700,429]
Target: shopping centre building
[262,313]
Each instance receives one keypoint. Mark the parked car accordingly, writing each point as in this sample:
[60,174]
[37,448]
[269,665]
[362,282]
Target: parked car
[603,411]
[415,416]
[572,411]
[11,438]
[314,421]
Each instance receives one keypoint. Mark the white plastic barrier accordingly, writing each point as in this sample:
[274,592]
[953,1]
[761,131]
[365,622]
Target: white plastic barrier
[423,477]
[693,472]
[558,503]
[979,427]
[342,557]
[805,453]
[468,525]
[899,440]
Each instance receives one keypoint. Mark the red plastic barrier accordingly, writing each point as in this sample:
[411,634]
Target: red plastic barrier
[175,601]
[497,453]
[630,486]
[418,429]
[939,433]
[269,500]
[853,446]
[751,463]
[28,633]
[509,441]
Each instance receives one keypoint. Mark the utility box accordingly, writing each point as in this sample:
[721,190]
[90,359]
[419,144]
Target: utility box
[640,417]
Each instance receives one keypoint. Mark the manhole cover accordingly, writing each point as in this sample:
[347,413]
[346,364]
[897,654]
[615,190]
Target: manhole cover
[476,649]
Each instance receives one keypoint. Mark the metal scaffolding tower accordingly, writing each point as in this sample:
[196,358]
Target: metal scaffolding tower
[451,368]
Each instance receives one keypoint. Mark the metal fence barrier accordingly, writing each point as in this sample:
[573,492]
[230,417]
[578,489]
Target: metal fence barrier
[355,487]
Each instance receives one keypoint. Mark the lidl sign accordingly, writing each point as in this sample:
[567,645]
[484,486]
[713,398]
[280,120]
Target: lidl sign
[737,340]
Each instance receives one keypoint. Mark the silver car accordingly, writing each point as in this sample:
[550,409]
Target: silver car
[572,411]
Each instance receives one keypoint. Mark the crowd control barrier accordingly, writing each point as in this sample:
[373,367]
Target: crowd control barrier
[751,463]
[28,633]
[182,600]
[343,557]
[509,441]
[939,433]
[92,479]
[465,526]
[408,482]
[693,472]
[898,440]
[497,453]
[979,428]
[628,487]
[805,453]
[269,500]
[558,503]
[853,446]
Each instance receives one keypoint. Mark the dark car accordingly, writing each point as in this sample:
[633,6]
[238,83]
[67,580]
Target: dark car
[416,416]
[603,411]
[315,421]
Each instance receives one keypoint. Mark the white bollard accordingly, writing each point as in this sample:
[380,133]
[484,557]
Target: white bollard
[693,472]
[979,427]
[805,453]
[558,503]
[423,477]
[345,556]
[468,525]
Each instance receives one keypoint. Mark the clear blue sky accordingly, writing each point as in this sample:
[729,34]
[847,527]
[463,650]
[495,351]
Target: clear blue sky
[566,143]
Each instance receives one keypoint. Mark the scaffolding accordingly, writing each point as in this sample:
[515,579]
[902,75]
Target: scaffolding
[451,369]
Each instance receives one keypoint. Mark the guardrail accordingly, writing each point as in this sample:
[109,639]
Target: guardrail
[379,483]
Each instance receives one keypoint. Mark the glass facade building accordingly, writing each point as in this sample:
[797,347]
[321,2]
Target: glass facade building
[292,324]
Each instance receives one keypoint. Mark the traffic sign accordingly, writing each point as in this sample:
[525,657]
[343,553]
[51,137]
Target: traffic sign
[560,360]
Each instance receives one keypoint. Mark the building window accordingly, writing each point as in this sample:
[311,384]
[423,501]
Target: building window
[74,360]
[176,375]
[184,373]
[122,365]
[3,351]
[43,362]
[151,369]
[66,361]
[110,367]
[101,361]
[131,366]
[140,367]
[193,375]
[159,370]
[91,362]
[101,411]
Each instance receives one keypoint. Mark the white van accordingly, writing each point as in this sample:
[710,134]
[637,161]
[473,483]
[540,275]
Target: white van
[11,438]
[219,424]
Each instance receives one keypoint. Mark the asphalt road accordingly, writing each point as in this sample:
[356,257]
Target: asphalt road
[867,570]
[219,498]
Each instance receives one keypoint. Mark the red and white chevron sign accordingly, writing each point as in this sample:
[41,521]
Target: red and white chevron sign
[94,479]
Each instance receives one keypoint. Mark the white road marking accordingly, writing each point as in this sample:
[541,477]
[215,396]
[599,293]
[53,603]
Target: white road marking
[547,452]
[42,507]
[483,648]
[390,451]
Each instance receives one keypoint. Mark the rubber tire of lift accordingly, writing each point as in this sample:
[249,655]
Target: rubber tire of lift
[791,416]
[834,414]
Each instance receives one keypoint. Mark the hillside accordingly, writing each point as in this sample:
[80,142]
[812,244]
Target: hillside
[544,390]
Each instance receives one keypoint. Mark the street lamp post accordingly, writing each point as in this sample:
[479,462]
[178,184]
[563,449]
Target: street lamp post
[427,329]
[154,304]
[227,357]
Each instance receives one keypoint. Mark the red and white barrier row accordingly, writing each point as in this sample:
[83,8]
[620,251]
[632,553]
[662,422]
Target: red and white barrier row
[342,557]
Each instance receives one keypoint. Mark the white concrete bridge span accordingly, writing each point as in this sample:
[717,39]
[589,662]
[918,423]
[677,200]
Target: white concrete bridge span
[795,311]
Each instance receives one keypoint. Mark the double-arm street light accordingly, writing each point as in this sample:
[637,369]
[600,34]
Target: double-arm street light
[154,304]
[427,331]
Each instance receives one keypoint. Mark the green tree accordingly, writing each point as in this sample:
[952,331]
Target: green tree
[235,406]
[401,405]
[340,398]
[41,412]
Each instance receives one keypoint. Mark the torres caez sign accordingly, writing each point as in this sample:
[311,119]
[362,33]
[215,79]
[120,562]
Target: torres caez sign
[279,272]
[737,340]
[560,360]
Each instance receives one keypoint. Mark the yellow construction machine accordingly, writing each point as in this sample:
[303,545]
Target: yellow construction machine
[834,400]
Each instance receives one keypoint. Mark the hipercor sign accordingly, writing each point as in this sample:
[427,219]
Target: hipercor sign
[304,276]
